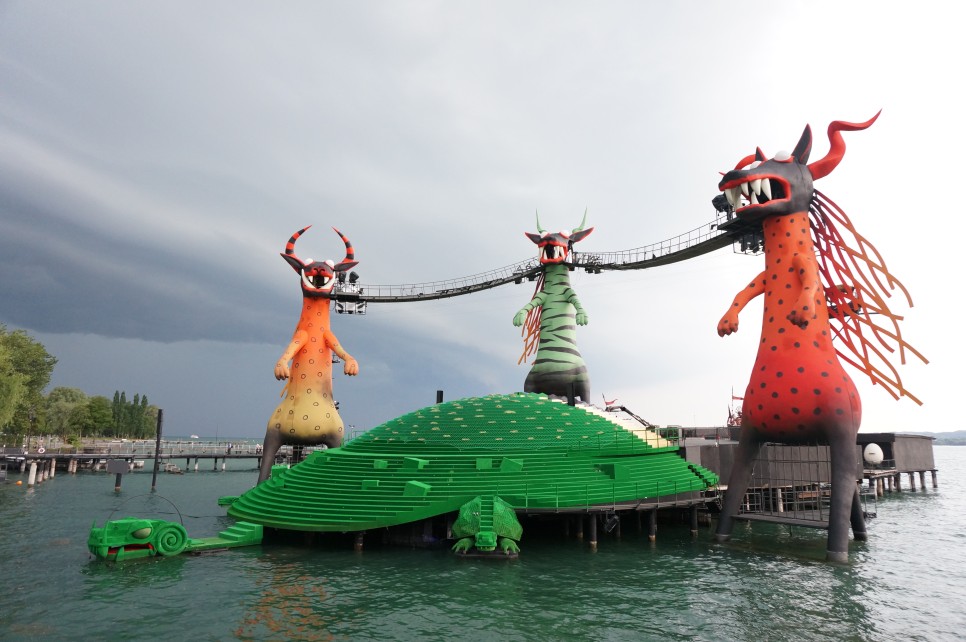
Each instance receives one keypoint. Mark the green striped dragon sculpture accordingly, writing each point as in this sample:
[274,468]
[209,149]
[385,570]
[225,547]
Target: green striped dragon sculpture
[550,319]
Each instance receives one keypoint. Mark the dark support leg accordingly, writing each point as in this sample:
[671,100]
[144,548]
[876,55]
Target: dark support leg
[592,528]
[694,521]
[741,469]
[842,451]
[580,528]
[858,518]
[273,441]
[652,525]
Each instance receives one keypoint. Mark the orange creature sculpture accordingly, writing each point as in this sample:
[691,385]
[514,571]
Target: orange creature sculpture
[815,288]
[307,415]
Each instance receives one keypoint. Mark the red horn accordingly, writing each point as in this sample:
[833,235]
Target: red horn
[290,246]
[350,254]
[824,167]
[289,254]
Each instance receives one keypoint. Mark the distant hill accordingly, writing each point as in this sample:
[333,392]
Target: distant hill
[952,438]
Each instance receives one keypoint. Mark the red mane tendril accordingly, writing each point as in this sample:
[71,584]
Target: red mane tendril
[857,283]
[531,327]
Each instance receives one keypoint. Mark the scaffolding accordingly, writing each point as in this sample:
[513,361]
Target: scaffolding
[791,484]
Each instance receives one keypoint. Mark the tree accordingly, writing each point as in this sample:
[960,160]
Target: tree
[99,415]
[32,366]
[135,418]
[12,386]
[116,411]
[92,419]
[150,422]
[61,402]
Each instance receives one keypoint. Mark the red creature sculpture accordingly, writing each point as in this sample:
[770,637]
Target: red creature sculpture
[307,415]
[816,288]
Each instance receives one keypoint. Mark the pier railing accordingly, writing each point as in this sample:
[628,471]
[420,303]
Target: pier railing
[145,449]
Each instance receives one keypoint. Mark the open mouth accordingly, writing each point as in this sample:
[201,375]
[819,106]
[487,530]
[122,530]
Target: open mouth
[552,253]
[755,191]
[317,281]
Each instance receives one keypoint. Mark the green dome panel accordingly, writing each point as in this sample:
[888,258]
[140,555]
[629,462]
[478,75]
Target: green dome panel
[534,452]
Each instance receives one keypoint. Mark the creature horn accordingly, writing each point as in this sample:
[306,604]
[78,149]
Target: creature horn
[350,254]
[540,229]
[824,167]
[290,246]
[804,146]
[582,223]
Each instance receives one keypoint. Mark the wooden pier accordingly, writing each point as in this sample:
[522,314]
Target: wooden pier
[791,483]
[42,464]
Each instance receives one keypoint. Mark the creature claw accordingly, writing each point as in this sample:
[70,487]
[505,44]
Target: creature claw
[508,546]
[797,320]
[351,367]
[463,545]
[727,325]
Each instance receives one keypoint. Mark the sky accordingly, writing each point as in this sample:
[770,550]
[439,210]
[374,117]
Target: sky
[156,157]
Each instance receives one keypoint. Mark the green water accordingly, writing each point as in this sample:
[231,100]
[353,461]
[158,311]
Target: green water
[770,583]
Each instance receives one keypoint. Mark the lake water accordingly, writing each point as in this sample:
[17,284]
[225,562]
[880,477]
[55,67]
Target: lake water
[907,582]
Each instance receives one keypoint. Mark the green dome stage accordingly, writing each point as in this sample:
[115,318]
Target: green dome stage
[536,453]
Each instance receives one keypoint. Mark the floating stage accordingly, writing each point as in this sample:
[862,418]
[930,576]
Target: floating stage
[525,452]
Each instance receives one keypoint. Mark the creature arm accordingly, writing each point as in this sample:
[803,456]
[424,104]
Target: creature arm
[729,322]
[812,293]
[536,302]
[351,367]
[282,370]
[574,301]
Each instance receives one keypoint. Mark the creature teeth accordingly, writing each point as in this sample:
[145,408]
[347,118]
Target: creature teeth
[754,199]
[730,196]
[766,187]
[756,186]
[744,189]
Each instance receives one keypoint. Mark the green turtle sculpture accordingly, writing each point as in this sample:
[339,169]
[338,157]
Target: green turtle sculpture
[534,452]
[485,523]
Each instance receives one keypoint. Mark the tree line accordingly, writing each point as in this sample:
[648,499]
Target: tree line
[69,413]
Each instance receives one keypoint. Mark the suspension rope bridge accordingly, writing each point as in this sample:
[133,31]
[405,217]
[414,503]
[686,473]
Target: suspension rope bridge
[351,297]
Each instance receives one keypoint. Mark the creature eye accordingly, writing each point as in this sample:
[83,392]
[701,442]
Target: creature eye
[754,165]
[141,533]
[564,233]
[782,155]
[308,261]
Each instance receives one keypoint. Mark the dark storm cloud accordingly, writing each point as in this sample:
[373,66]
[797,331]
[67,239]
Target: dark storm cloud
[60,275]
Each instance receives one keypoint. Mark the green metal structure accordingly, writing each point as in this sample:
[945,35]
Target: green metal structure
[532,452]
